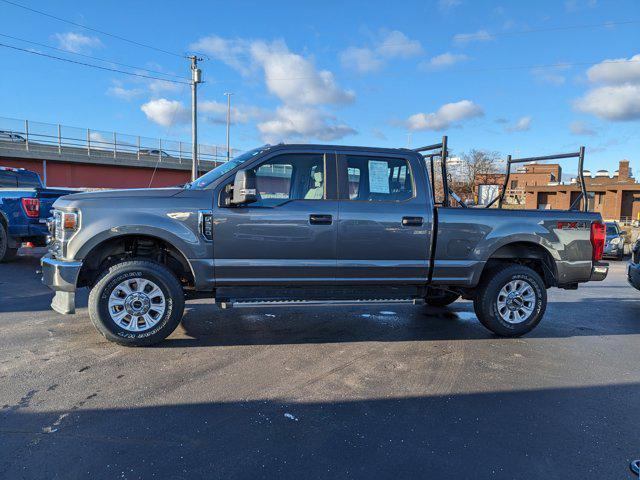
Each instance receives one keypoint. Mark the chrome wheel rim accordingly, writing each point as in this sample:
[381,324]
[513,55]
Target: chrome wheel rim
[516,301]
[136,304]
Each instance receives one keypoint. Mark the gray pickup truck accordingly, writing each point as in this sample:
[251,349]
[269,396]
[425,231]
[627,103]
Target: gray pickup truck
[309,225]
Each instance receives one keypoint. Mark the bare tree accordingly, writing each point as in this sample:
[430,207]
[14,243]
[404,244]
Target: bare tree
[479,166]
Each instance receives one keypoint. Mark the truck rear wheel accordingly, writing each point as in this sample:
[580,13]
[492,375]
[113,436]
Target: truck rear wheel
[511,300]
[6,253]
[136,303]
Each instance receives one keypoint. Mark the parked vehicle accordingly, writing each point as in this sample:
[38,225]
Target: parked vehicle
[24,208]
[615,242]
[6,136]
[308,225]
[633,269]
[154,152]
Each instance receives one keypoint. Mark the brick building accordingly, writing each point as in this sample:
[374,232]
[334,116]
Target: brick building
[616,197]
[539,186]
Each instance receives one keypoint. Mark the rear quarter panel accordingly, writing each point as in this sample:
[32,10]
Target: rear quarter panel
[467,238]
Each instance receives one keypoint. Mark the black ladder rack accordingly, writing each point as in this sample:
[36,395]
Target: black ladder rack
[579,155]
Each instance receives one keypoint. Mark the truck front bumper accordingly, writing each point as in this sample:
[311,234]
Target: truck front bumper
[61,277]
[599,271]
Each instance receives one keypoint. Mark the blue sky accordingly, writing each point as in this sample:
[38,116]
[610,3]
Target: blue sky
[365,73]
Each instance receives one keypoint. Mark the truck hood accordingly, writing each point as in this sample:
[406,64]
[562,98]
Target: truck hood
[114,195]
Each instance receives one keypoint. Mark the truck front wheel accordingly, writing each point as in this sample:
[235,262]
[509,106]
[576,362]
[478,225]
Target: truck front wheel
[136,303]
[510,300]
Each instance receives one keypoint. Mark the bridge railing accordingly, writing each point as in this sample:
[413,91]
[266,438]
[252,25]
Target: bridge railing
[42,137]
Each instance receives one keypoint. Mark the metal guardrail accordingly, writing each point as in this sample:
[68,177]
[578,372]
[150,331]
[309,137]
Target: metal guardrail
[56,138]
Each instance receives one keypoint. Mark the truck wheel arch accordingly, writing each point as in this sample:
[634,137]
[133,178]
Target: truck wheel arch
[145,246]
[527,253]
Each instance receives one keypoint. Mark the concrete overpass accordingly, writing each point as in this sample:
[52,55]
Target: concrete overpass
[84,158]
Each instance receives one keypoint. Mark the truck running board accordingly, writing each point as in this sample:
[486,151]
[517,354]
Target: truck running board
[246,303]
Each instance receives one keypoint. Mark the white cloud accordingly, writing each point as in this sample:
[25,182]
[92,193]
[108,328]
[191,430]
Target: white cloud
[216,112]
[234,53]
[76,42]
[294,79]
[119,91]
[479,36]
[616,71]
[616,102]
[445,5]
[445,116]
[554,74]
[618,96]
[290,76]
[389,45]
[444,60]
[361,59]
[522,125]
[158,87]
[581,128]
[166,112]
[395,44]
[290,123]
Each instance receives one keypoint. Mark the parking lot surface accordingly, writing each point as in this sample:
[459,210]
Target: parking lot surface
[368,392]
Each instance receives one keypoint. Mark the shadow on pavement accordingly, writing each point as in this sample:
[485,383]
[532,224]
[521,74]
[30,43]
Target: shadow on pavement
[568,433]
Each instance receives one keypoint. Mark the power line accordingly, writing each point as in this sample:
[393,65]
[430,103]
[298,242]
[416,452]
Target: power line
[90,56]
[91,65]
[102,32]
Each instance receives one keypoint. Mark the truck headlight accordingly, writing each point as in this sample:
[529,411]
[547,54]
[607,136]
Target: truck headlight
[65,224]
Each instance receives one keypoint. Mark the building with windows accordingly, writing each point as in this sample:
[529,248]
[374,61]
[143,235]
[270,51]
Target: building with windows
[539,186]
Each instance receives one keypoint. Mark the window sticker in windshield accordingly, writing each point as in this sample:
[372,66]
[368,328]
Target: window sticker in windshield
[378,177]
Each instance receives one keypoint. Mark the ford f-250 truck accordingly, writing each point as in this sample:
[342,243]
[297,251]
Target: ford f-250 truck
[24,208]
[308,225]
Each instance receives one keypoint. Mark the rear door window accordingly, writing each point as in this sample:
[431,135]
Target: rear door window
[28,180]
[378,179]
[8,179]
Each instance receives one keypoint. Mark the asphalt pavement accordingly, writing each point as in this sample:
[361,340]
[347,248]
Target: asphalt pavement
[368,392]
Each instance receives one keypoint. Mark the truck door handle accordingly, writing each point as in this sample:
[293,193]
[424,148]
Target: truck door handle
[316,219]
[412,221]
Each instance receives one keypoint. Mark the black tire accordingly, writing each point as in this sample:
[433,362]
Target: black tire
[443,299]
[6,253]
[113,278]
[486,302]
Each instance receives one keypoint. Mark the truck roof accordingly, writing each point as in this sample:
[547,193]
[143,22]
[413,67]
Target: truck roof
[311,146]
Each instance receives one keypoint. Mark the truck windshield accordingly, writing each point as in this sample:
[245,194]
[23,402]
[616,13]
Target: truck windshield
[211,176]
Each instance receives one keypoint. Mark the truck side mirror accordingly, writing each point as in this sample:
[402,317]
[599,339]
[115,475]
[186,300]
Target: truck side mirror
[244,188]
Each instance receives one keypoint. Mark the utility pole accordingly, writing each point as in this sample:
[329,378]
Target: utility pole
[196,78]
[228,95]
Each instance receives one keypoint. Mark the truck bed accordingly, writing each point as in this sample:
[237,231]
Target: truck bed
[468,237]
